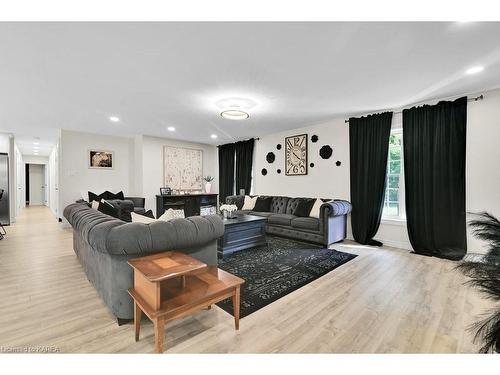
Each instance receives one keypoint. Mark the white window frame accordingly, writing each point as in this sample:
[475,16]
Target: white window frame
[401,218]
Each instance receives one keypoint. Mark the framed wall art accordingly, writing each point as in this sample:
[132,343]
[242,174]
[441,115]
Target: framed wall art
[183,168]
[296,155]
[101,159]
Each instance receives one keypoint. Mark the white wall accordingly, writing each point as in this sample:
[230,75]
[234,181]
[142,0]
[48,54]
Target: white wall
[152,165]
[326,180]
[75,176]
[138,165]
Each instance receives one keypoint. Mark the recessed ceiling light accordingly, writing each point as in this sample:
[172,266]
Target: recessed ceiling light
[474,70]
[114,119]
[234,114]
[36,143]
[213,136]
[171,129]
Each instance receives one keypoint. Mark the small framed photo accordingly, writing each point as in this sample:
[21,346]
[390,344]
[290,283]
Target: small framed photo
[165,191]
[101,159]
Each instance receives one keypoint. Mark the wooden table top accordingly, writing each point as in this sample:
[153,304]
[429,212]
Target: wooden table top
[202,287]
[168,265]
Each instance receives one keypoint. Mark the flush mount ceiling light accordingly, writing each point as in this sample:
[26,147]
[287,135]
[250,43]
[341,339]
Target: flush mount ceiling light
[213,136]
[234,114]
[474,70]
[114,119]
[171,129]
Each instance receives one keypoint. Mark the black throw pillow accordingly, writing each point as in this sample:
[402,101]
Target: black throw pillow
[148,213]
[107,195]
[263,204]
[303,209]
[108,209]
[119,196]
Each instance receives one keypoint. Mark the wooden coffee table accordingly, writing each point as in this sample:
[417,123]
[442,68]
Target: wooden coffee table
[172,285]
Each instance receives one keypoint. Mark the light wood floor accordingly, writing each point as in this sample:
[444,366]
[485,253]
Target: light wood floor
[385,300]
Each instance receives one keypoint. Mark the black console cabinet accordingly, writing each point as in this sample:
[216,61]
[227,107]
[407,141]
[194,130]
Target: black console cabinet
[190,203]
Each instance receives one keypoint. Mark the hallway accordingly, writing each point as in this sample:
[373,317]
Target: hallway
[385,300]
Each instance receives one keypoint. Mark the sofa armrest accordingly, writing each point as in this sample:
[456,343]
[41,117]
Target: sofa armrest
[337,207]
[138,201]
[238,200]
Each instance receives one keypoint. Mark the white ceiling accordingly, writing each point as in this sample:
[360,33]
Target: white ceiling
[290,75]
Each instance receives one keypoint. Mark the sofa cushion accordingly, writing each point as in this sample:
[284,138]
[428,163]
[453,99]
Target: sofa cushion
[310,223]
[278,205]
[291,205]
[303,208]
[281,219]
[263,204]
[263,214]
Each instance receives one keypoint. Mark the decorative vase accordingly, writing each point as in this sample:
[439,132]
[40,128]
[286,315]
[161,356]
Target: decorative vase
[208,186]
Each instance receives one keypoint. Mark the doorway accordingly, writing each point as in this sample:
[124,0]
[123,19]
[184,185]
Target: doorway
[36,185]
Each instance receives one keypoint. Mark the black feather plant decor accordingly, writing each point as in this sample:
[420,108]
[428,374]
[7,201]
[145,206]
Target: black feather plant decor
[484,274]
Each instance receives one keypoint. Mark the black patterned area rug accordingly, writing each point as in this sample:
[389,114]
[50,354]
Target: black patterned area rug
[273,271]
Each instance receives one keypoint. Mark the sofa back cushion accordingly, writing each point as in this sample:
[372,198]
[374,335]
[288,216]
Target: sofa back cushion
[279,204]
[292,205]
[263,204]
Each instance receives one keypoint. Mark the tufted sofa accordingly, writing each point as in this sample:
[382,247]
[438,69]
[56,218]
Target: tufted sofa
[104,244]
[331,226]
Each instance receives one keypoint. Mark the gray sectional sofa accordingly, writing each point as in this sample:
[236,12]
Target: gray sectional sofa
[104,244]
[331,226]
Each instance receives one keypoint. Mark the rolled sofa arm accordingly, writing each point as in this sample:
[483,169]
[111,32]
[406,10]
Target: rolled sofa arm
[238,200]
[336,207]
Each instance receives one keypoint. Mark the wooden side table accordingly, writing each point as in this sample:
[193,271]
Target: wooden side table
[172,285]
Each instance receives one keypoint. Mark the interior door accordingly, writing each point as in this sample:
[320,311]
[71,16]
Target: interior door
[37,185]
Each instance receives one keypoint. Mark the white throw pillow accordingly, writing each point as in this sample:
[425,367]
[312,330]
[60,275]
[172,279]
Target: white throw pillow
[249,203]
[95,205]
[136,218]
[315,210]
[172,214]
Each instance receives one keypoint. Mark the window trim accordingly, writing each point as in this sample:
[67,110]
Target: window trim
[401,218]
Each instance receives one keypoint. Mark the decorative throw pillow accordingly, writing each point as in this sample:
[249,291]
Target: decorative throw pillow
[249,202]
[106,195]
[148,213]
[95,205]
[315,210]
[138,218]
[172,214]
[263,204]
[303,209]
[107,208]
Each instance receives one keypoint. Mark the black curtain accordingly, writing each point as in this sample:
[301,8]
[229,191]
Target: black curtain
[226,171]
[434,162]
[244,157]
[369,146]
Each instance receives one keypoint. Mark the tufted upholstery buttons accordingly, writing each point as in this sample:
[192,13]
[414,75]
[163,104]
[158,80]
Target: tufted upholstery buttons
[278,205]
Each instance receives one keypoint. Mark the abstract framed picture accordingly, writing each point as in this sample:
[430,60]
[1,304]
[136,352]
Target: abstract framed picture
[182,168]
[99,159]
[296,155]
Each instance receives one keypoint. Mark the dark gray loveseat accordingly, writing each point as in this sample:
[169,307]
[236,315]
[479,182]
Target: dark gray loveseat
[104,244]
[331,226]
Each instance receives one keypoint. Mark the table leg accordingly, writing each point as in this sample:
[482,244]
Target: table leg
[236,307]
[137,320]
[159,326]
[183,281]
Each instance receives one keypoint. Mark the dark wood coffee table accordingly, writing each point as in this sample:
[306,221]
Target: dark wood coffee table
[172,285]
[241,233]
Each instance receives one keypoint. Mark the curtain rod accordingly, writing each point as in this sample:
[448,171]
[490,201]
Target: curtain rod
[257,139]
[480,97]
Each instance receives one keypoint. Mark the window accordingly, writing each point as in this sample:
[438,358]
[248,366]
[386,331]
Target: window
[394,199]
